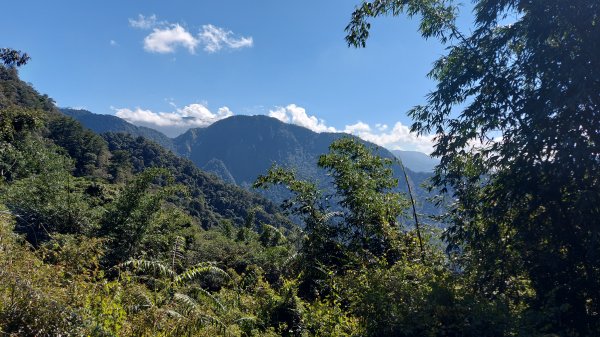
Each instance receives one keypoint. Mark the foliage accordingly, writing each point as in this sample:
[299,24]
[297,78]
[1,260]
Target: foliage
[14,92]
[127,220]
[99,238]
[515,113]
[88,150]
[13,58]
[211,200]
[364,183]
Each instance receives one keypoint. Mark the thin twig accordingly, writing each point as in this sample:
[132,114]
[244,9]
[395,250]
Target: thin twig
[412,201]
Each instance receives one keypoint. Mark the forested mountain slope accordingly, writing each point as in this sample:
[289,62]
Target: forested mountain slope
[211,198]
[249,145]
[108,123]
[117,157]
[240,148]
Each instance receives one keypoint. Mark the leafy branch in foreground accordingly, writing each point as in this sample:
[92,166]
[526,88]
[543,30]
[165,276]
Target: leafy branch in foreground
[515,117]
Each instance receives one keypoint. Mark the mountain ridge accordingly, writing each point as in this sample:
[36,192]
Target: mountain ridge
[414,160]
[240,148]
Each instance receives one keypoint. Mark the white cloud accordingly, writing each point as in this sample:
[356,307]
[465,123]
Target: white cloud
[398,138]
[143,22]
[281,114]
[166,40]
[358,127]
[113,43]
[381,127]
[297,115]
[193,115]
[167,37]
[215,39]
[176,122]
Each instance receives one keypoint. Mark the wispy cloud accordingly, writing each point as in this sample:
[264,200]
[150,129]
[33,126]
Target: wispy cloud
[113,43]
[143,22]
[175,122]
[215,39]
[167,37]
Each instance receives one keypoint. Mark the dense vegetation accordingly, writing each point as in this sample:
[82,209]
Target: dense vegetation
[115,235]
[516,111]
[118,236]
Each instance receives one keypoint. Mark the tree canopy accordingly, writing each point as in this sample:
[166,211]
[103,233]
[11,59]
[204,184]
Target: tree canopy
[516,116]
[13,58]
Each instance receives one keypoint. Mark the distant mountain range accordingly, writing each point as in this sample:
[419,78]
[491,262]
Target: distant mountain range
[240,148]
[413,160]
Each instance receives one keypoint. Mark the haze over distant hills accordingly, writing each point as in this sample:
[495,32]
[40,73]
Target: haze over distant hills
[417,161]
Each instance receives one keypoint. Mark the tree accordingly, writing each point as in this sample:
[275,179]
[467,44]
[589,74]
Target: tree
[128,218]
[363,231]
[516,117]
[364,182]
[13,58]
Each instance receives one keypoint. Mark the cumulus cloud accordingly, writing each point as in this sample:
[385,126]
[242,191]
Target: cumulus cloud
[357,128]
[167,37]
[397,138]
[215,39]
[381,127]
[176,122]
[297,115]
[143,22]
[166,40]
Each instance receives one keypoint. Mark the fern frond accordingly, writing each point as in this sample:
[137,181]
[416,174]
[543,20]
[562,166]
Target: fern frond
[140,301]
[177,251]
[212,297]
[290,261]
[147,266]
[202,319]
[245,319]
[202,269]
[188,303]
[172,313]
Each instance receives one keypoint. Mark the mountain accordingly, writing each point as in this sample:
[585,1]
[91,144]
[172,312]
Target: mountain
[240,148]
[248,145]
[111,160]
[211,199]
[416,161]
[107,123]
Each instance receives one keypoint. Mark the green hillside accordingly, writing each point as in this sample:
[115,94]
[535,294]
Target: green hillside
[107,123]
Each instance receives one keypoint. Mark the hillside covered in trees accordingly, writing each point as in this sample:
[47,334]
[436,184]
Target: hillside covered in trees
[238,149]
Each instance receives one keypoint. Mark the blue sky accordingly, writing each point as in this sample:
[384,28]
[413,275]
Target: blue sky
[177,64]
